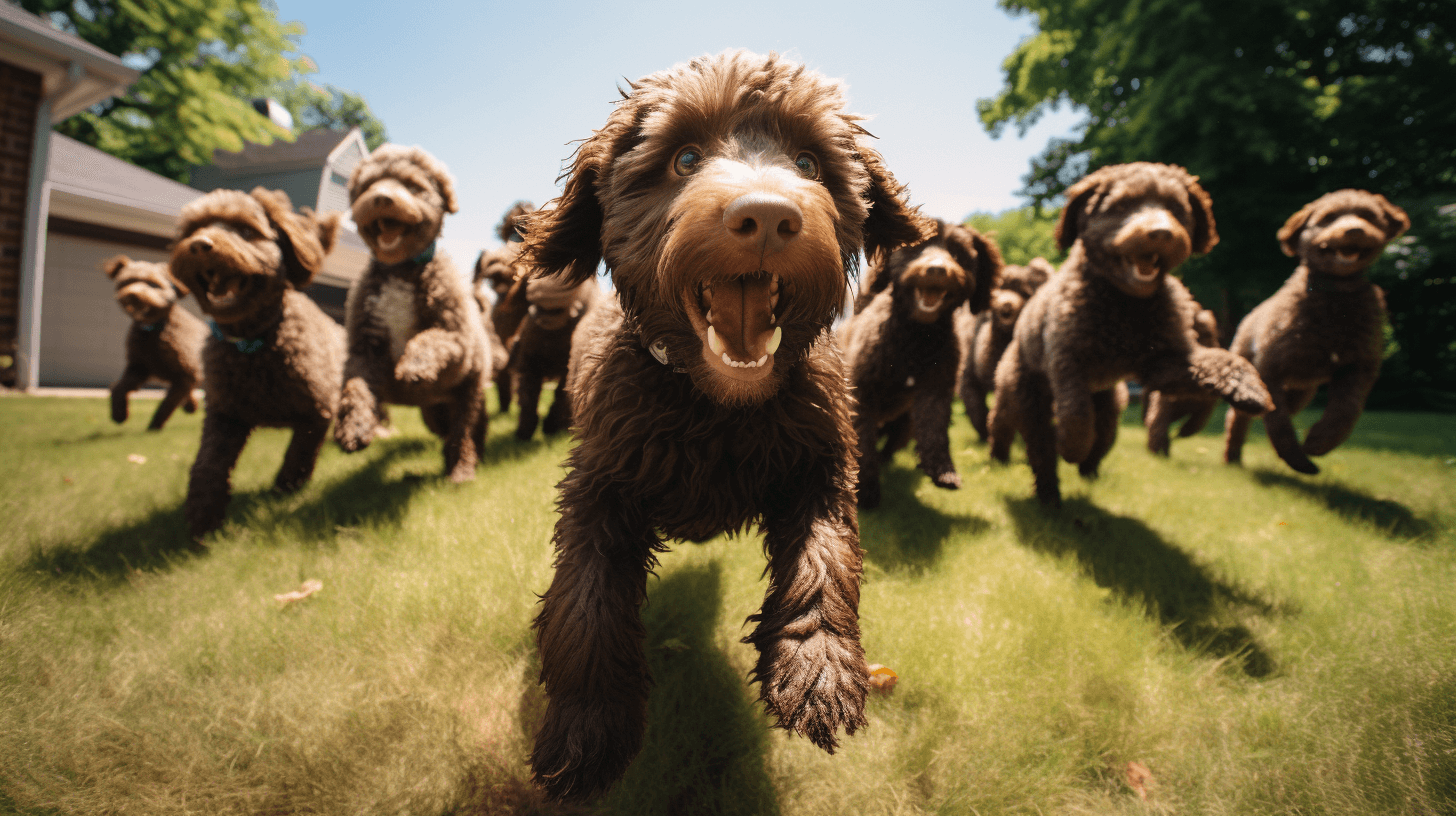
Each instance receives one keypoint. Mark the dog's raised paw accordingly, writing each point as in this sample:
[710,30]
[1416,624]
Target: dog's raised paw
[814,685]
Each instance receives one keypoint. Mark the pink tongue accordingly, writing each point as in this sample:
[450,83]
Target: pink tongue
[742,317]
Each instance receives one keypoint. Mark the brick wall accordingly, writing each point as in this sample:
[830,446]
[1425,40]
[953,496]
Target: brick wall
[19,98]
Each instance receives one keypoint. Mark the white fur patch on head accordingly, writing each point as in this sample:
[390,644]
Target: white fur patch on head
[394,308]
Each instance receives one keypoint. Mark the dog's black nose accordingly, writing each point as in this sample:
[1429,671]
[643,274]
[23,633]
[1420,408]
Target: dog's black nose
[767,221]
[200,245]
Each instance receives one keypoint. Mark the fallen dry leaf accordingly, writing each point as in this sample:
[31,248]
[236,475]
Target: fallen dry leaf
[309,587]
[1139,778]
[136,458]
[883,678]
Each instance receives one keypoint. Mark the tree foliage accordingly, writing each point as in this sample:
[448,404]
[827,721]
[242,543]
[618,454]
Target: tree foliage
[316,106]
[1021,233]
[1272,105]
[202,63]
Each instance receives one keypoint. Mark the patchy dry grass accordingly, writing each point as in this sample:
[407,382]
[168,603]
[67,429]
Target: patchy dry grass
[1260,641]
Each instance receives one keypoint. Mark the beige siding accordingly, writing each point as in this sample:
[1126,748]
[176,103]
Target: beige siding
[83,331]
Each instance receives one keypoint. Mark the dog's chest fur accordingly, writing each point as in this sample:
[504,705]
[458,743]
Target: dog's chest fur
[392,311]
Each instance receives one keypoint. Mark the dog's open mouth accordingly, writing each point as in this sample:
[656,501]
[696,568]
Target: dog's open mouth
[390,232]
[1146,266]
[1349,254]
[737,321]
[928,300]
[225,292]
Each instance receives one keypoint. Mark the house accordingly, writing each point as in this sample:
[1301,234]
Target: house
[65,207]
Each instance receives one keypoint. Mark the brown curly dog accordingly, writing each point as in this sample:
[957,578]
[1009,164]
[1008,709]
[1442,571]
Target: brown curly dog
[273,359]
[1161,409]
[1111,312]
[415,331]
[902,353]
[729,197]
[164,343]
[543,349]
[503,303]
[1323,326]
[984,337]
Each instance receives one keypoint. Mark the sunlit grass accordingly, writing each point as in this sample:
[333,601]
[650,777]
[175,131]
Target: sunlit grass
[1262,642]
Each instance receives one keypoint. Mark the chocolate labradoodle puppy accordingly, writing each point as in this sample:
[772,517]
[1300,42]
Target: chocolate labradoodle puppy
[496,272]
[543,349]
[1110,313]
[1322,327]
[415,331]
[984,337]
[164,343]
[729,197]
[902,353]
[273,359]
[1162,409]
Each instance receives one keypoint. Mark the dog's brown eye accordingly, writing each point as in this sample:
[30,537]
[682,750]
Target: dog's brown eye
[246,233]
[687,160]
[807,165]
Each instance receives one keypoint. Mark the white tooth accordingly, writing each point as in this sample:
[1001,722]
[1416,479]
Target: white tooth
[778,337]
[726,359]
[709,316]
[715,343]
[762,360]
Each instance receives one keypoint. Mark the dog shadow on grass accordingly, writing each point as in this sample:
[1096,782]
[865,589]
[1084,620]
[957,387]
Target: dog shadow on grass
[903,534]
[1391,517]
[707,744]
[1126,556]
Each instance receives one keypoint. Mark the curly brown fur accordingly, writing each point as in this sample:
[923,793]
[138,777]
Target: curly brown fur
[902,352]
[1323,327]
[496,272]
[278,363]
[543,350]
[1111,312]
[983,337]
[164,341]
[1161,409]
[415,332]
[729,193]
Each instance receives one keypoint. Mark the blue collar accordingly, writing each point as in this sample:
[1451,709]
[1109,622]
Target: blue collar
[426,256]
[242,344]
[150,327]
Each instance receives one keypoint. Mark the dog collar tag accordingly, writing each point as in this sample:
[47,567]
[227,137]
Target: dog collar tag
[659,350]
[149,327]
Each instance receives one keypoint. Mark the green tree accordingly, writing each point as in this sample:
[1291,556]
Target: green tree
[1021,233]
[315,106]
[202,63]
[1271,104]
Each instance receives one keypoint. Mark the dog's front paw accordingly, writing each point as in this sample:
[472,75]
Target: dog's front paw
[1323,438]
[949,480]
[417,368]
[355,429]
[814,685]
[581,749]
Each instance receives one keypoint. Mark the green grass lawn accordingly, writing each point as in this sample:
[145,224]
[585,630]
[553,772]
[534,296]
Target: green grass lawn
[1260,641]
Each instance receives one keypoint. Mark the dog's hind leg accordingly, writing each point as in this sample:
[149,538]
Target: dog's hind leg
[301,455]
[1157,419]
[1197,419]
[132,378]
[1279,426]
[1347,393]
[558,417]
[973,396]
[209,483]
[1235,430]
[179,392]
[930,418]
[465,412]
[1105,415]
[504,379]
[811,669]
[1035,402]
[528,394]
[590,635]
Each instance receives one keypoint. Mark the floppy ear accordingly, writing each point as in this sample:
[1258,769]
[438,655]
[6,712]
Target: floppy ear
[1399,222]
[1079,195]
[1038,271]
[566,235]
[1205,233]
[443,180]
[112,266]
[182,290]
[892,222]
[988,270]
[875,279]
[1288,234]
[305,239]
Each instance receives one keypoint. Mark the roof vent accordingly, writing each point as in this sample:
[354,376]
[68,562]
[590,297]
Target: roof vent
[274,111]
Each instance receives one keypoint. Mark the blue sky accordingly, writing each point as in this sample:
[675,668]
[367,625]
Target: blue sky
[498,90]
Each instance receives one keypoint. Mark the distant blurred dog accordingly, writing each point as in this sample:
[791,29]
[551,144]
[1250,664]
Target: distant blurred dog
[273,359]
[983,337]
[1324,326]
[1161,410]
[543,349]
[729,197]
[415,331]
[497,271]
[164,343]
[902,353]
[1111,312]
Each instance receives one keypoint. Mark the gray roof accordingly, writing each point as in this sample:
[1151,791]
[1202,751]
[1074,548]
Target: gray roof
[83,170]
[310,149]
